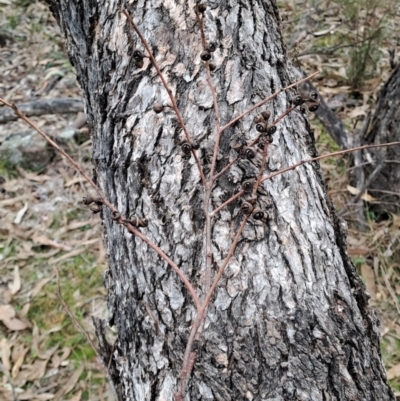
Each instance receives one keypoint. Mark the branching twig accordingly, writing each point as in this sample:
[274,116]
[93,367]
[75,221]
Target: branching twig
[189,358]
[300,163]
[207,195]
[112,208]
[169,91]
[214,96]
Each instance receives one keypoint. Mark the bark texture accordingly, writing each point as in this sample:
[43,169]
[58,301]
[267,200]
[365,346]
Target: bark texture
[385,127]
[289,320]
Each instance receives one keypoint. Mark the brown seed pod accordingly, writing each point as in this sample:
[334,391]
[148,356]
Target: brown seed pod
[201,7]
[258,119]
[297,100]
[136,222]
[195,146]
[250,153]
[314,96]
[95,208]
[258,214]
[248,185]
[261,127]
[251,199]
[261,145]
[238,145]
[137,55]
[87,200]
[158,108]
[246,207]
[212,65]
[212,47]
[266,115]
[271,130]
[205,55]
[313,106]
[268,138]
[186,148]
[98,201]
[115,215]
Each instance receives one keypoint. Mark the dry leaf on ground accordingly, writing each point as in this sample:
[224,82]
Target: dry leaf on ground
[7,316]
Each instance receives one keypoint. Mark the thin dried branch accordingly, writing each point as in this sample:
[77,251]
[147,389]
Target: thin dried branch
[207,197]
[86,335]
[333,154]
[177,270]
[261,170]
[300,163]
[40,107]
[190,354]
[106,202]
[267,99]
[214,96]
[169,91]
[23,117]
[223,267]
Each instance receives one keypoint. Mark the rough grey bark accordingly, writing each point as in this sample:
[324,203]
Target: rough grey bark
[385,127]
[290,319]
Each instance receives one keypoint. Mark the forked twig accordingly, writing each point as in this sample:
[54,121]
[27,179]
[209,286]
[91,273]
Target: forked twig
[189,358]
[300,163]
[86,335]
[112,208]
[169,91]
[207,195]
[214,96]
[333,154]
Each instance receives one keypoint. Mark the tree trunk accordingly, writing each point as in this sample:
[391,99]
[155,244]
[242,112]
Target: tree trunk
[289,319]
[385,127]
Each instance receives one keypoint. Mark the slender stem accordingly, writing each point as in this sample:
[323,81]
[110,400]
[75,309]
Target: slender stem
[184,371]
[53,144]
[158,250]
[338,153]
[112,208]
[190,356]
[267,99]
[238,195]
[214,96]
[208,249]
[207,197]
[222,267]
[169,91]
[261,171]
[226,168]
[292,167]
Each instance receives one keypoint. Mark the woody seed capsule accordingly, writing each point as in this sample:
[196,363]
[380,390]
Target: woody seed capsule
[205,55]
